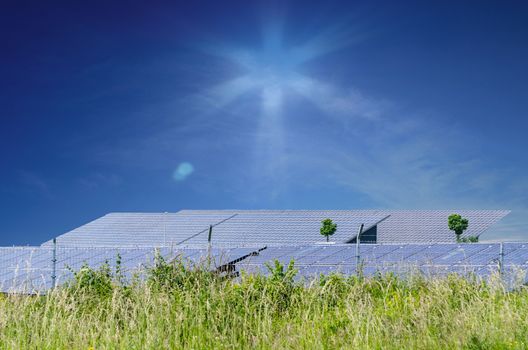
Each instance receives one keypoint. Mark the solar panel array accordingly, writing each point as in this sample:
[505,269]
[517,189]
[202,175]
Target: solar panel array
[30,269]
[238,235]
[270,227]
[481,259]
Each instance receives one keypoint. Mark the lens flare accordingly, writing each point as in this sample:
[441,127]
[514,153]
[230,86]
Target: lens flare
[183,171]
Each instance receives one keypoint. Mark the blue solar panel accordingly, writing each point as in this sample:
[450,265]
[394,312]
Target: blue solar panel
[315,271]
[427,255]
[518,254]
[345,256]
[141,229]
[404,253]
[458,254]
[488,255]
[510,247]
[317,254]
[377,252]
[271,253]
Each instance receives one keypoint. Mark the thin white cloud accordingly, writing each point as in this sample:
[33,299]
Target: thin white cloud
[35,183]
[333,102]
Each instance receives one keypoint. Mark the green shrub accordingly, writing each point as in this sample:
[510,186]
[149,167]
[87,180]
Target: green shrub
[468,239]
[98,282]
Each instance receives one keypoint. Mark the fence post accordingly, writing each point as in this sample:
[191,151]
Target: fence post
[209,236]
[54,264]
[209,244]
[501,259]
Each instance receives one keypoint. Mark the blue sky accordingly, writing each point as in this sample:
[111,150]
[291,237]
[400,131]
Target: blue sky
[304,105]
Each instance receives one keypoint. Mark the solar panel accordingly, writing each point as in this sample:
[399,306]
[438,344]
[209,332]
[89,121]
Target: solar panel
[486,256]
[140,229]
[274,252]
[428,254]
[377,253]
[345,256]
[404,253]
[458,254]
[511,247]
[316,271]
[518,254]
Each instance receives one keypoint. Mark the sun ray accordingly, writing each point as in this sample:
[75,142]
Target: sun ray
[273,72]
[220,96]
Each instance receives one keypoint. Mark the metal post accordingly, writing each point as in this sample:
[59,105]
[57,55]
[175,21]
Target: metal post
[209,244]
[501,259]
[209,238]
[358,256]
[210,234]
[54,264]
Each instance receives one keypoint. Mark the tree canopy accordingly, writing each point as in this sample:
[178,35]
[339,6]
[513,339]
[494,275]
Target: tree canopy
[328,228]
[458,224]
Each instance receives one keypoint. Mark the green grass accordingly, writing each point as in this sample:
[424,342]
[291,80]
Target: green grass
[178,308]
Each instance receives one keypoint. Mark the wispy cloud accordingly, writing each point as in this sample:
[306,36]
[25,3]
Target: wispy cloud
[35,184]
[97,180]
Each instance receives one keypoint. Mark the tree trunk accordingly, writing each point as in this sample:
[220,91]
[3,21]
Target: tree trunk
[327,238]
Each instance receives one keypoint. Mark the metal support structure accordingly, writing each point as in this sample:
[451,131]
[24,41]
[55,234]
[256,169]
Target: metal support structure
[54,264]
[210,235]
[369,227]
[501,259]
[202,231]
[209,244]
[358,255]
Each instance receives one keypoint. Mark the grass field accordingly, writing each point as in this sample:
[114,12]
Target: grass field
[178,308]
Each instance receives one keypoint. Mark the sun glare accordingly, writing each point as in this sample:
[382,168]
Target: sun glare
[271,74]
[273,69]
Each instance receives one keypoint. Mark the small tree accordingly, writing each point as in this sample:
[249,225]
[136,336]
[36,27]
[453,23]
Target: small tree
[328,228]
[458,224]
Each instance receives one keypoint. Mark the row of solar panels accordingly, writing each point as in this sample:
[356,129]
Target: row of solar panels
[30,269]
[437,259]
[271,227]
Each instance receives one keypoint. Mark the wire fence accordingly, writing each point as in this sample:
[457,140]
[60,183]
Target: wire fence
[38,269]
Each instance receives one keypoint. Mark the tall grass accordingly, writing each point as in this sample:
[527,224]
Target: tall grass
[180,308]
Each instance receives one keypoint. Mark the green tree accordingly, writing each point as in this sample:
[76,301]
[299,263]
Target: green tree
[458,224]
[328,228]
